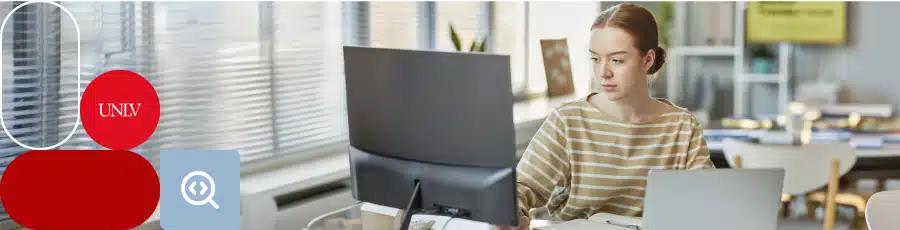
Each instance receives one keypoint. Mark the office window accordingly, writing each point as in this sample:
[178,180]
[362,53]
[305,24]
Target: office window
[264,78]
[355,23]
[394,24]
[518,29]
[508,37]
[468,20]
[31,73]
[31,69]
[308,76]
[545,23]
[105,44]
[213,78]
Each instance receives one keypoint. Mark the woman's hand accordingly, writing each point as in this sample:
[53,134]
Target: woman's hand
[524,221]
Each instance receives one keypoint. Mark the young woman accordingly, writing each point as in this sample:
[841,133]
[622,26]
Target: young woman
[593,155]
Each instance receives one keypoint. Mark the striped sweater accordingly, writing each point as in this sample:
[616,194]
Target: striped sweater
[582,161]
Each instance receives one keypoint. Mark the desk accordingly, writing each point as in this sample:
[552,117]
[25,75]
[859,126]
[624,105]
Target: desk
[885,158]
[349,218]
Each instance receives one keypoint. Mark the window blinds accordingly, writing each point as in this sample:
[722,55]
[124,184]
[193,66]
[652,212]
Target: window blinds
[103,47]
[30,73]
[308,76]
[213,78]
[261,78]
[394,24]
[509,39]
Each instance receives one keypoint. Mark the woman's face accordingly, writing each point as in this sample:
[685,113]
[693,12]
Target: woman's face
[618,65]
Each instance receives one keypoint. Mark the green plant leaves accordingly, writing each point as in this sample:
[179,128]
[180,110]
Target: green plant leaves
[483,46]
[475,46]
[455,37]
[664,22]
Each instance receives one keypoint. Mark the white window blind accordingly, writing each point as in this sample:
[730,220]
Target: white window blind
[509,38]
[308,76]
[393,24]
[355,23]
[104,46]
[213,78]
[262,78]
[31,71]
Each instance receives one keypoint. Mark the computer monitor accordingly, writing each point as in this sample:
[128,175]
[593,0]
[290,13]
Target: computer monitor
[432,131]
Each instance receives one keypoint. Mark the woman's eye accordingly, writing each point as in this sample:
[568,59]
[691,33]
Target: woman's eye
[595,59]
[617,61]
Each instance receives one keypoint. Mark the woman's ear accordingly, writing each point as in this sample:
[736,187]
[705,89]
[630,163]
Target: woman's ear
[648,59]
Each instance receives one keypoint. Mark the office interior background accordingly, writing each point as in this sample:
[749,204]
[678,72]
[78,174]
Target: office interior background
[266,78]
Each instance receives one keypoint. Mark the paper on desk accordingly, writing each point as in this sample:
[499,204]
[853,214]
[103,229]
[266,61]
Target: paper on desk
[597,221]
[580,224]
[867,142]
[603,217]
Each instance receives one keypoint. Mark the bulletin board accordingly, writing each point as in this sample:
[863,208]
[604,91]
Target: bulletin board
[797,22]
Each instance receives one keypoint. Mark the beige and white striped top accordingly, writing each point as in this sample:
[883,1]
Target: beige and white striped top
[582,161]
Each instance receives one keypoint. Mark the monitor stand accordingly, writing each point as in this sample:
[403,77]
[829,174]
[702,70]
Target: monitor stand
[415,203]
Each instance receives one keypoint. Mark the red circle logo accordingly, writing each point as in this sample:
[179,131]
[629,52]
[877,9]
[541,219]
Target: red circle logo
[120,110]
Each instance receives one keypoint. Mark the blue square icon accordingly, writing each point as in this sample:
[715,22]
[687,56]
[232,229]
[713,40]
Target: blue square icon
[200,189]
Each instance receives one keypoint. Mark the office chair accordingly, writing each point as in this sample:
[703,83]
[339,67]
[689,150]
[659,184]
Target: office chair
[807,168]
[883,210]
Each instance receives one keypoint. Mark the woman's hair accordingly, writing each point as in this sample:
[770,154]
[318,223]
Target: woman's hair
[640,23]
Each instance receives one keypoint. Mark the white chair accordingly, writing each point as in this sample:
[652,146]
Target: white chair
[807,168]
[258,211]
[883,211]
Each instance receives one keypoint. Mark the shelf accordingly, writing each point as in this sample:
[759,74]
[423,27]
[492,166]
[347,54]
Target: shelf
[762,78]
[704,51]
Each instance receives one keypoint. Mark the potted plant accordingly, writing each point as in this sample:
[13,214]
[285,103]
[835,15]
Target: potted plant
[762,60]
[474,47]
[664,21]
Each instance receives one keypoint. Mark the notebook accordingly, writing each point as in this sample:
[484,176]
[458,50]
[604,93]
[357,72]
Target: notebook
[595,222]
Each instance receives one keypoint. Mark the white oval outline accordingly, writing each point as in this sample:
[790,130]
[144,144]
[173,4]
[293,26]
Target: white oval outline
[78,57]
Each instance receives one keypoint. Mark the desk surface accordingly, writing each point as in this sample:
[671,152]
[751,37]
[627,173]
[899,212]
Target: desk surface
[889,150]
[350,218]
[887,158]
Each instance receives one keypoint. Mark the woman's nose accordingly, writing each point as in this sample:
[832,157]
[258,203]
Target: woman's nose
[605,73]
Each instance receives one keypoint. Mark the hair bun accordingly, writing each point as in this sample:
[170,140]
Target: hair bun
[658,60]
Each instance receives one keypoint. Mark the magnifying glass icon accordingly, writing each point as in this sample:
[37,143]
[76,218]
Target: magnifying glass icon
[203,188]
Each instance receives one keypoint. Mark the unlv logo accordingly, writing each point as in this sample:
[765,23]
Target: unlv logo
[119,109]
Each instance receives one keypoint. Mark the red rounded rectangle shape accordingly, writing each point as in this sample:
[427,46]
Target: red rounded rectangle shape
[79,189]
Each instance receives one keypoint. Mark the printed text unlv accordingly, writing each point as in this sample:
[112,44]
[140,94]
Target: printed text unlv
[119,109]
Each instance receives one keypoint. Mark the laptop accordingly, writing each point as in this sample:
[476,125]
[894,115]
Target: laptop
[714,199]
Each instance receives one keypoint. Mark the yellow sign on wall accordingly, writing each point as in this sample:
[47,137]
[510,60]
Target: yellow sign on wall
[799,22]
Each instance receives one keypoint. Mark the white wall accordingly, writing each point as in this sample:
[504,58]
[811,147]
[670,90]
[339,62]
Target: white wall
[867,64]
[555,20]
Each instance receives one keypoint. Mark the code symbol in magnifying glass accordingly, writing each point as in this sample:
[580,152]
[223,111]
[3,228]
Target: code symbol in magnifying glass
[200,189]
